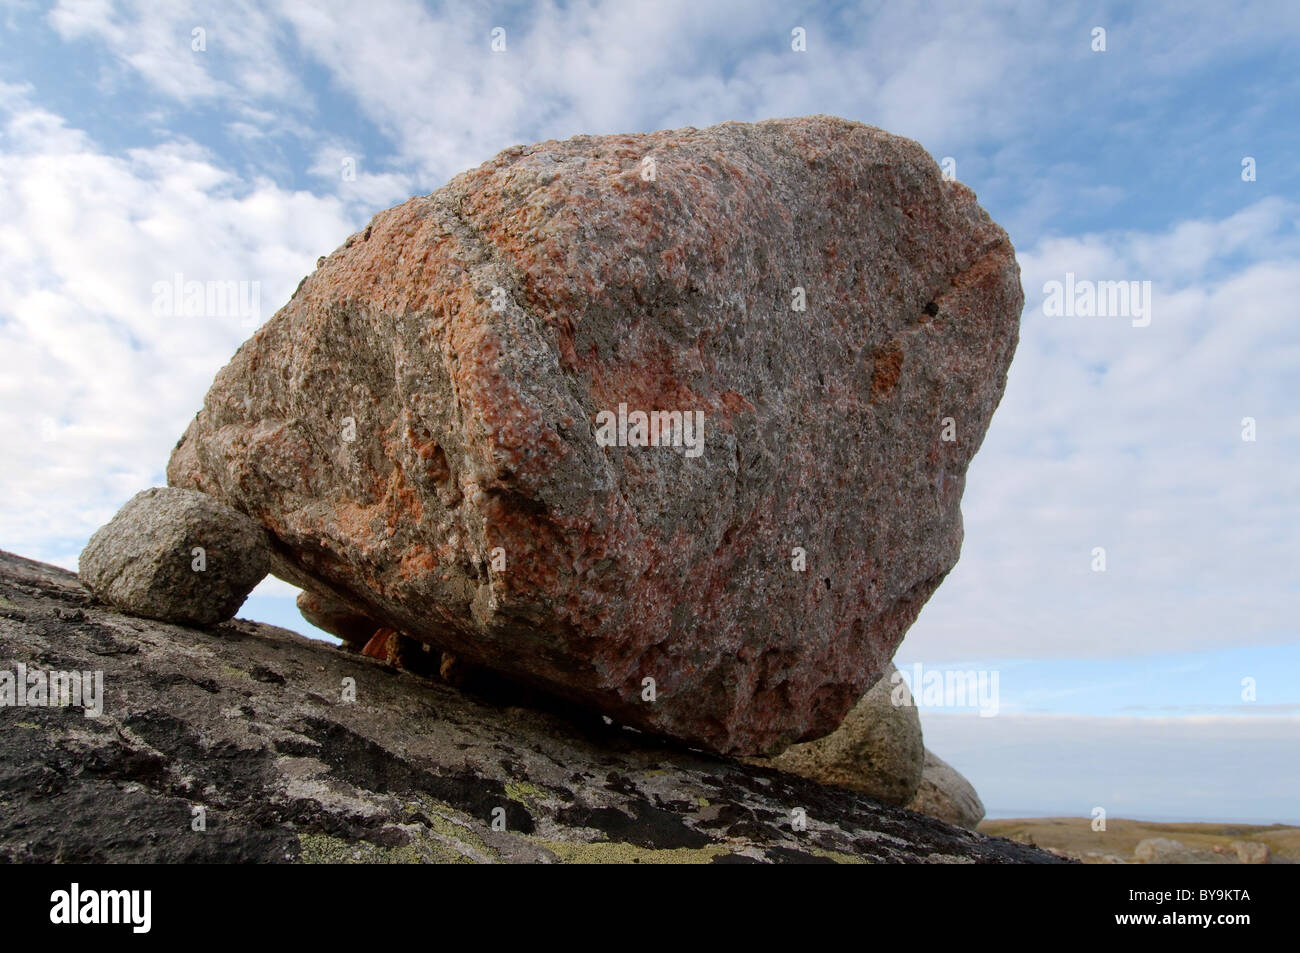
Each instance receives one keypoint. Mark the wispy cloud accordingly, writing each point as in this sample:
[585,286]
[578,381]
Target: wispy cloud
[97,386]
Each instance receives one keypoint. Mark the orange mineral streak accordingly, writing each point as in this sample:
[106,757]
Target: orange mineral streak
[649,380]
[352,523]
[383,645]
[416,564]
[886,368]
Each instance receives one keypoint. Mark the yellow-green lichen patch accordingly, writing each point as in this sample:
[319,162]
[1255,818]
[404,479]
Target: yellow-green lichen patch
[618,852]
[434,814]
[324,849]
[523,792]
[837,856]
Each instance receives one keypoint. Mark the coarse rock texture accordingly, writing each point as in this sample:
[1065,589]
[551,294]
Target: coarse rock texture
[946,794]
[877,749]
[249,722]
[417,427]
[176,555]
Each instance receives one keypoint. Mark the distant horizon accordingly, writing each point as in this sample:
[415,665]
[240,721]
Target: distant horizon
[997,814]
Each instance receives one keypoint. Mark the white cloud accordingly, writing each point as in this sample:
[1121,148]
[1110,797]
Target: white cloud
[343,167]
[239,54]
[431,81]
[273,588]
[1129,438]
[96,388]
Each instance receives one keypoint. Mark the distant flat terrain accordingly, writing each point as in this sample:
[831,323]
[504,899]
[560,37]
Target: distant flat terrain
[1074,836]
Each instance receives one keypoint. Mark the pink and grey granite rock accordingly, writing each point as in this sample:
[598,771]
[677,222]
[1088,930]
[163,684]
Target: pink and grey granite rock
[175,555]
[421,427]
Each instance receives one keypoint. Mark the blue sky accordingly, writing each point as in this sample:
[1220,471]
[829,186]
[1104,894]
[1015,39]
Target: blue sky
[127,156]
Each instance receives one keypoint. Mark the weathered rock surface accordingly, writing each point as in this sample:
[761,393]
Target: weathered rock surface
[176,555]
[1252,852]
[248,722]
[877,749]
[1163,850]
[417,427]
[946,794]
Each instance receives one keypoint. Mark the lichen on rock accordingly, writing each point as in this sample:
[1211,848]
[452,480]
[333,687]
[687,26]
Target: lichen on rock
[291,750]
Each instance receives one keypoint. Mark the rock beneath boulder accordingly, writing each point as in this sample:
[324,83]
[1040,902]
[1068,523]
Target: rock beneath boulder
[337,618]
[946,794]
[176,555]
[877,749]
[821,327]
[1252,852]
[1163,850]
[300,752]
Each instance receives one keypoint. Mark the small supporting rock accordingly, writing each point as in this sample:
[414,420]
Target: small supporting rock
[877,749]
[944,793]
[176,555]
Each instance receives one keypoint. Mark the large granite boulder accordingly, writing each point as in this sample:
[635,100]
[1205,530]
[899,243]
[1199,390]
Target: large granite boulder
[673,425]
[176,555]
